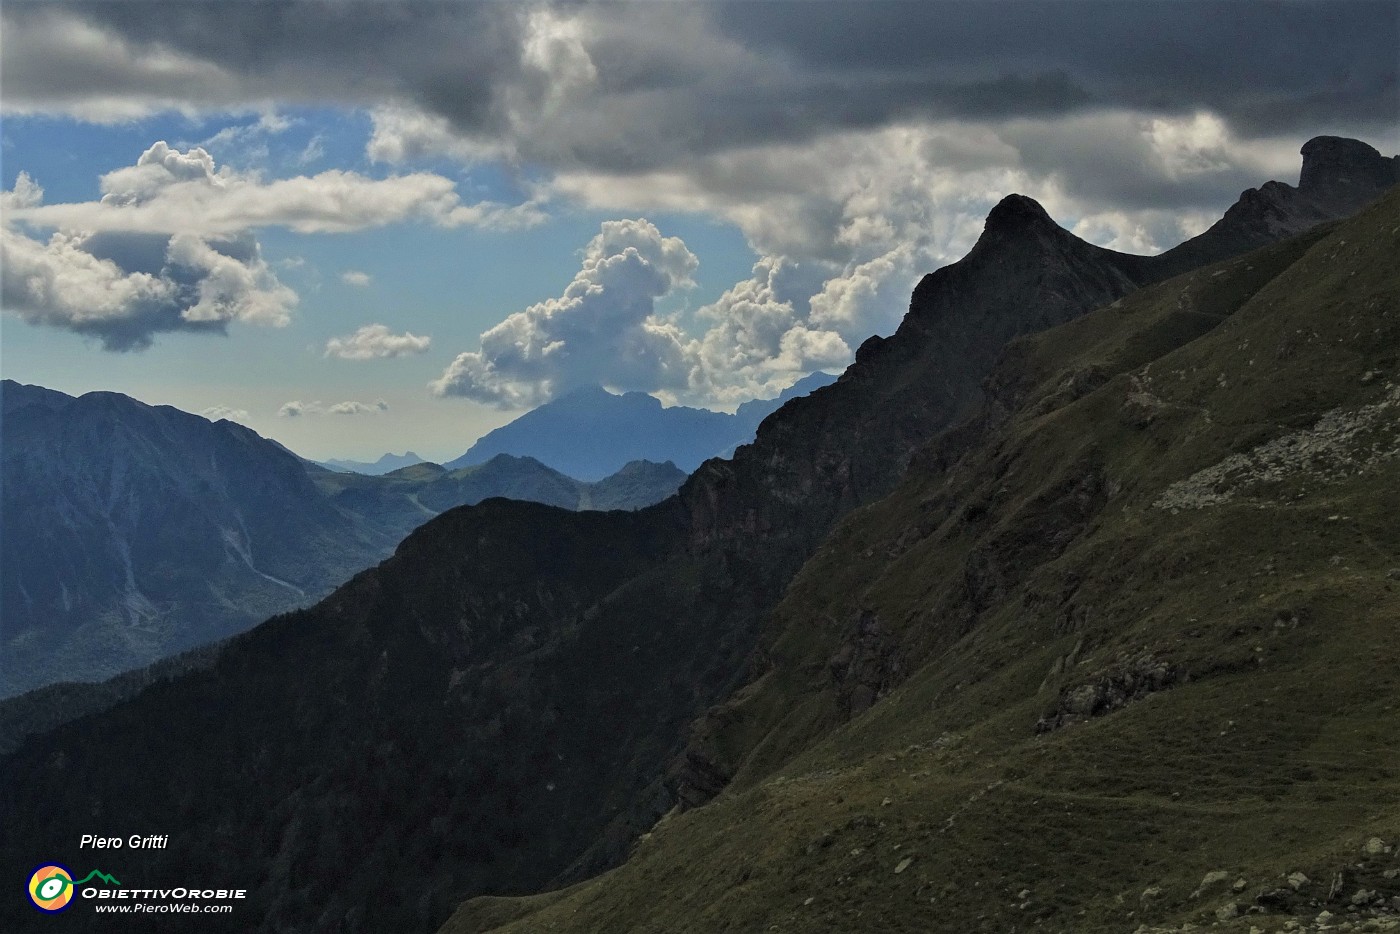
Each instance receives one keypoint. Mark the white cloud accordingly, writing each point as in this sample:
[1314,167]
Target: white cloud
[249,141]
[168,245]
[216,412]
[402,133]
[757,342]
[168,191]
[229,289]
[26,194]
[603,329]
[57,282]
[126,288]
[376,342]
[314,151]
[356,278]
[296,408]
[359,408]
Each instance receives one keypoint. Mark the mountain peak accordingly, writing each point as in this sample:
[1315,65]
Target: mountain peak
[1016,213]
[1329,159]
[1341,175]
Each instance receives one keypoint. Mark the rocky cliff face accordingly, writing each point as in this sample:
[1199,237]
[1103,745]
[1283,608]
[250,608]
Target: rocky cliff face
[502,637]
[1338,178]
[848,443]
[1119,653]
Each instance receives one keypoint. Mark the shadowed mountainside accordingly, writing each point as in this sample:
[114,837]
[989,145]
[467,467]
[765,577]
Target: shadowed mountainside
[133,532]
[495,708]
[1118,653]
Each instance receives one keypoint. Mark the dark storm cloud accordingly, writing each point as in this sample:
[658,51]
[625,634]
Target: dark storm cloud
[671,80]
[232,54]
[1268,66]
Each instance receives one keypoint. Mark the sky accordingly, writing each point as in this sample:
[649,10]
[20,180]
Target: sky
[360,227]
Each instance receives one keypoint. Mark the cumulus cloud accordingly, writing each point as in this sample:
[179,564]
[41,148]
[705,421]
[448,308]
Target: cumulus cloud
[758,341]
[125,288]
[217,412]
[605,329]
[602,329]
[856,145]
[169,191]
[376,342]
[358,408]
[866,213]
[168,246]
[27,193]
[296,408]
[356,278]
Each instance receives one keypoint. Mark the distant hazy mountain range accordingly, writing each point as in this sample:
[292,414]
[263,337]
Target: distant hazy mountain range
[406,498]
[591,433]
[131,532]
[385,464]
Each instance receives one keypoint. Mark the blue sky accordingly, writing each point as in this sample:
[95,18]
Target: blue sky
[408,222]
[450,285]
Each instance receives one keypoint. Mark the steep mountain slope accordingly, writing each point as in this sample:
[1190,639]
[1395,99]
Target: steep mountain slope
[636,485]
[411,726]
[133,531]
[393,505]
[591,433]
[848,444]
[53,705]
[1122,649]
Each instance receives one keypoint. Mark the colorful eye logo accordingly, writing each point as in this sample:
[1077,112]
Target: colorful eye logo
[51,887]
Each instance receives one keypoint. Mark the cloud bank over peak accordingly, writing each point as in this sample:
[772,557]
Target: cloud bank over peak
[217,412]
[605,329]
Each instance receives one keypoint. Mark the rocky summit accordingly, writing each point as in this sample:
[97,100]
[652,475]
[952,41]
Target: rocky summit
[936,652]
[1118,653]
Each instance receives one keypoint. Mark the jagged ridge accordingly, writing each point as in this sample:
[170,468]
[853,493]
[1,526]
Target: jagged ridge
[605,653]
[1029,689]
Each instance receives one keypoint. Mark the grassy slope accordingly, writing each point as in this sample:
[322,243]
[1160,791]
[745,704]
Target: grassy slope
[1256,641]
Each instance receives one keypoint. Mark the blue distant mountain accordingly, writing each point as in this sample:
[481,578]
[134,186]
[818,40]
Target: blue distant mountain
[133,532]
[385,464]
[591,433]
